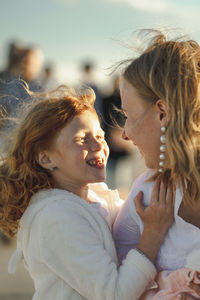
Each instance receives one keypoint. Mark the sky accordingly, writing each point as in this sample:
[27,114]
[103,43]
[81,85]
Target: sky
[70,32]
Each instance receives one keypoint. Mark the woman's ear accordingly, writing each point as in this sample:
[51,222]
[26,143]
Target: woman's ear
[163,111]
[45,160]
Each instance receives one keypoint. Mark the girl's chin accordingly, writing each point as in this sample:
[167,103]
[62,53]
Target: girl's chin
[99,179]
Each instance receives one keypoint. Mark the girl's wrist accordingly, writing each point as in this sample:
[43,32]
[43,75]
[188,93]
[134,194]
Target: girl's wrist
[155,231]
[143,254]
[150,242]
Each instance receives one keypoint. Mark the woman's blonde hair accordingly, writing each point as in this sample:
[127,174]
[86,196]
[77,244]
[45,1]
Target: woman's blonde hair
[170,70]
[21,176]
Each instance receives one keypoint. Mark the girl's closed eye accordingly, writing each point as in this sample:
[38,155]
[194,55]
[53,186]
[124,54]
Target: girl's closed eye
[100,137]
[81,139]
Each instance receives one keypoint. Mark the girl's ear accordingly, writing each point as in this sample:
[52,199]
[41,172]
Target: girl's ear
[44,160]
[163,110]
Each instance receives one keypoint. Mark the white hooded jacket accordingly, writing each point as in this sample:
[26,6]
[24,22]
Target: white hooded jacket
[69,252]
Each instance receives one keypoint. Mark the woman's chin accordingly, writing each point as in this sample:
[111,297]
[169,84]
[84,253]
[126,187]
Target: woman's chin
[151,165]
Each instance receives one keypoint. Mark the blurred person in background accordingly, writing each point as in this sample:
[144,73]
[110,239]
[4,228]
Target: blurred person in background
[120,150]
[48,80]
[24,63]
[12,61]
[30,66]
[89,80]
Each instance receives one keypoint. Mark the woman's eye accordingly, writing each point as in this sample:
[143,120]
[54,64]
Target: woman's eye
[123,116]
[122,119]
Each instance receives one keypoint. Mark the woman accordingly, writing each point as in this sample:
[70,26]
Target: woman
[161,102]
[52,193]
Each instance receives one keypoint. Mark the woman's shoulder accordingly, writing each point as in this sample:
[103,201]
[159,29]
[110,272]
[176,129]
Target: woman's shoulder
[144,177]
[143,183]
[143,180]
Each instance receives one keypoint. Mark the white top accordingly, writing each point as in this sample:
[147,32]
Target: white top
[69,252]
[181,239]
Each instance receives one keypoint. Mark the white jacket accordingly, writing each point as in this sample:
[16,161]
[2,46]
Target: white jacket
[69,252]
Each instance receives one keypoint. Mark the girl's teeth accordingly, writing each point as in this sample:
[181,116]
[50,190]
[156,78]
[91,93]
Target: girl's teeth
[95,162]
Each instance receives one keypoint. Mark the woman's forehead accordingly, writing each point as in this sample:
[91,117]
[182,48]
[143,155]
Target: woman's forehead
[131,98]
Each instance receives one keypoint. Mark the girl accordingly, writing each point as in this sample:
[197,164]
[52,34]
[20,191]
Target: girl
[52,195]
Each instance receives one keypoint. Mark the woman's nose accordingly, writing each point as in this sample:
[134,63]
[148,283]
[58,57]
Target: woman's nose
[124,136]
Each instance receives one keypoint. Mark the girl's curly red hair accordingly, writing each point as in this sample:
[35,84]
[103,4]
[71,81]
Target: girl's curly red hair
[21,176]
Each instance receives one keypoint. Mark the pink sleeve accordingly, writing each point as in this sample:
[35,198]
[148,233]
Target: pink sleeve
[172,283]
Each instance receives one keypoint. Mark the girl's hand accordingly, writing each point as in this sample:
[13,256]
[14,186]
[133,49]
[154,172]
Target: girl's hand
[157,217]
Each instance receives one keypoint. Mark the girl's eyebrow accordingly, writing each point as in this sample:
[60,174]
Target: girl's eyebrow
[87,132]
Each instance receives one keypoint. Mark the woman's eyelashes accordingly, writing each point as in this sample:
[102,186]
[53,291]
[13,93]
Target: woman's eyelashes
[123,114]
[123,118]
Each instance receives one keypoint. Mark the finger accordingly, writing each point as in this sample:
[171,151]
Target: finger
[155,191]
[138,203]
[181,296]
[166,176]
[195,287]
[170,196]
[174,195]
[163,192]
[184,296]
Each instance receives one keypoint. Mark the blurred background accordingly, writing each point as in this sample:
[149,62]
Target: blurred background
[75,42]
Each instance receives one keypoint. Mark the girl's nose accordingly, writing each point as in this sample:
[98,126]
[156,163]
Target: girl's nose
[96,145]
[124,136]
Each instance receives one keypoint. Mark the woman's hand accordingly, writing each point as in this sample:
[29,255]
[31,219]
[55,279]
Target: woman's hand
[157,217]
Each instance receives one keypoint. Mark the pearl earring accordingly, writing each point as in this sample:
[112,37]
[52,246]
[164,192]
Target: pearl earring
[51,169]
[162,149]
